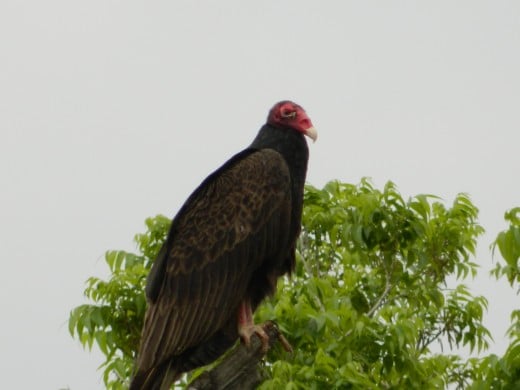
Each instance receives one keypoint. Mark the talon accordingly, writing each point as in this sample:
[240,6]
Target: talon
[247,331]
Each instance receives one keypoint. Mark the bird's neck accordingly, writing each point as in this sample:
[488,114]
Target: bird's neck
[290,144]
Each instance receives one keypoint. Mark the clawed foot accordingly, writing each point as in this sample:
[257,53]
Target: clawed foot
[246,329]
[245,333]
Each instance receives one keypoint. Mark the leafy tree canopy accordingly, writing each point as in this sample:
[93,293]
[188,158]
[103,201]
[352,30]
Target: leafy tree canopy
[365,305]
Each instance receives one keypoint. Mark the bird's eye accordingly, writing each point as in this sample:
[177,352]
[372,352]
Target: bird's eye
[288,114]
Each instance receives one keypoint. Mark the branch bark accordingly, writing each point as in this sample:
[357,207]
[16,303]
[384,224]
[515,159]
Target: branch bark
[240,369]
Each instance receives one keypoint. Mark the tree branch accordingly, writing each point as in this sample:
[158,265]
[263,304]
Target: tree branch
[377,305]
[380,300]
[240,367]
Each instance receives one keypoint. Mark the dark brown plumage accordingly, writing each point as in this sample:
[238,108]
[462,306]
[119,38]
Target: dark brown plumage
[231,240]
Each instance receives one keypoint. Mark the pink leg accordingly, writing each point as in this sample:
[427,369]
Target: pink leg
[246,326]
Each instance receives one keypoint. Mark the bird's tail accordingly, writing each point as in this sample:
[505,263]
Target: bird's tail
[156,378]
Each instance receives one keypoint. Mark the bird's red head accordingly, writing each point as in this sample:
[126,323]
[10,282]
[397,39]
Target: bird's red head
[289,114]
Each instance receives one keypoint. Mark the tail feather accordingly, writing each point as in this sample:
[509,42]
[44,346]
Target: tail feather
[157,378]
[162,376]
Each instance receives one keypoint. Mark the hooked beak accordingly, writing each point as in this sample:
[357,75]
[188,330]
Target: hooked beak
[312,133]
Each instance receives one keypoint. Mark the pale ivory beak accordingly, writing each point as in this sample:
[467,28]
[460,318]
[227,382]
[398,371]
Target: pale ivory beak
[312,133]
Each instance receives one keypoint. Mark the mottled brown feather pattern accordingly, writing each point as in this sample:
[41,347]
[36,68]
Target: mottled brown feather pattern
[226,231]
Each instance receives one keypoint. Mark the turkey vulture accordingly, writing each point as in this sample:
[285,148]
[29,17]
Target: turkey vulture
[226,248]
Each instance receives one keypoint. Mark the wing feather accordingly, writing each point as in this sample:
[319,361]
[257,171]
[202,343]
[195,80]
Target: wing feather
[225,231]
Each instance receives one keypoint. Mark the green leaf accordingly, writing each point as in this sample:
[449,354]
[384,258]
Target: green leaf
[374,289]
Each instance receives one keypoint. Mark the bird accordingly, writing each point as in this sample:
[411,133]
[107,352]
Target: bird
[226,248]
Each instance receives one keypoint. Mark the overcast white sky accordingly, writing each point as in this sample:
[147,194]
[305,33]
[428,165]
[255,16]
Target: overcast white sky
[113,111]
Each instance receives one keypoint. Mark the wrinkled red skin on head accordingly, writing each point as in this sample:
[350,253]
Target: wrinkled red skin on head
[289,114]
